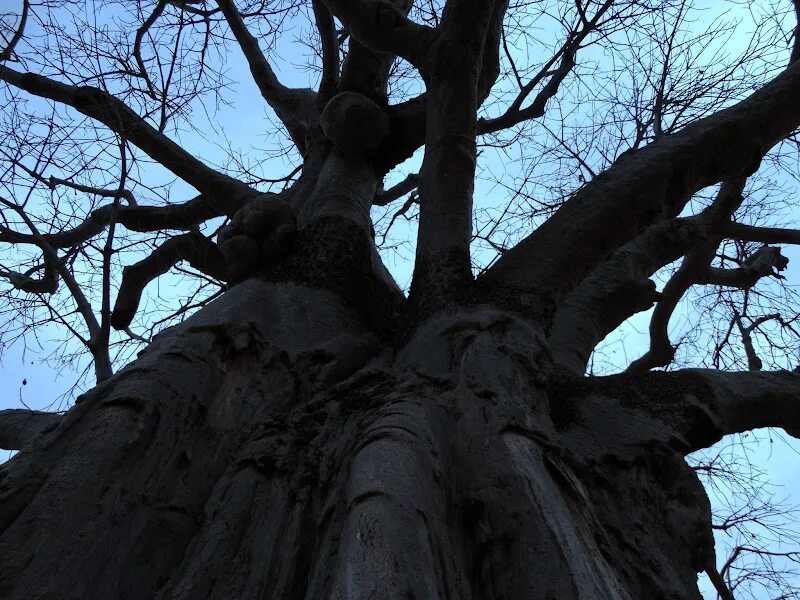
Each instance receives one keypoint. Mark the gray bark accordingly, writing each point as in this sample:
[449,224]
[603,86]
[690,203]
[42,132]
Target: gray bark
[276,446]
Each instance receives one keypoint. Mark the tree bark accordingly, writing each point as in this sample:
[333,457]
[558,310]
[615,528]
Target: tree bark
[276,446]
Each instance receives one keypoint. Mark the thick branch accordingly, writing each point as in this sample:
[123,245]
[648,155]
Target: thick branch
[443,266]
[330,51]
[693,408]
[766,235]
[737,402]
[409,184]
[643,186]
[381,26]
[18,427]
[743,278]
[693,269]
[8,51]
[118,117]
[47,284]
[618,288]
[193,247]
[366,70]
[135,218]
[291,105]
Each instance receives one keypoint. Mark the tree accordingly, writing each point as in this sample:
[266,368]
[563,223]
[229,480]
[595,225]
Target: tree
[315,431]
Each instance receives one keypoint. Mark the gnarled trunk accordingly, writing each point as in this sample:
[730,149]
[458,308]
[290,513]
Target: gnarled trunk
[275,446]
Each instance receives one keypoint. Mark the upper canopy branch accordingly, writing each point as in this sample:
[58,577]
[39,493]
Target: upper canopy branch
[693,408]
[193,247]
[117,116]
[7,52]
[292,105]
[565,58]
[642,186]
[329,43]
[382,26]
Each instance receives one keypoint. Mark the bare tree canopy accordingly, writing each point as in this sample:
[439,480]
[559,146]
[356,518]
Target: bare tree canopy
[370,357]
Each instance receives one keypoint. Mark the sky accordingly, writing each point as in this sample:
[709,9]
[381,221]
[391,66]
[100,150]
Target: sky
[30,376]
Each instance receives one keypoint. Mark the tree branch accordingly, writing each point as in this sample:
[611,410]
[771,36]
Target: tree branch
[193,247]
[19,427]
[515,113]
[692,408]
[365,70]
[137,45]
[737,402]
[330,51]
[292,106]
[409,184]
[618,288]
[8,51]
[443,267]
[135,218]
[118,117]
[766,235]
[640,187]
[693,269]
[383,27]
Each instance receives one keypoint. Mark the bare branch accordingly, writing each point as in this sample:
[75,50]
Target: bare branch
[193,247]
[796,45]
[137,44]
[292,106]
[112,112]
[8,51]
[135,218]
[694,269]
[330,51]
[641,186]
[555,77]
[766,235]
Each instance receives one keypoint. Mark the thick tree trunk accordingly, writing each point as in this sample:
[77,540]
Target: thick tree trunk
[274,446]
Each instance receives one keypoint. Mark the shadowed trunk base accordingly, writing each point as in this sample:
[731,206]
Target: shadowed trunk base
[272,447]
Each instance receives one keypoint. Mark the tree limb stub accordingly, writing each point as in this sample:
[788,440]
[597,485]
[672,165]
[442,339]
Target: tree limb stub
[700,406]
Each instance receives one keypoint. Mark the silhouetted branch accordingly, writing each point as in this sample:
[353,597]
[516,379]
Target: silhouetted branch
[193,247]
[292,106]
[117,116]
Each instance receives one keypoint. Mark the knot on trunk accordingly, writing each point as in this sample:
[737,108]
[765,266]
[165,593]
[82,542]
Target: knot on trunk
[354,123]
[259,235]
